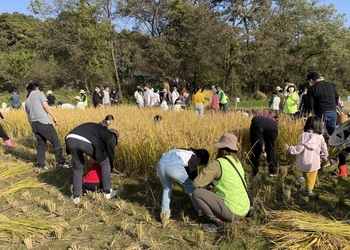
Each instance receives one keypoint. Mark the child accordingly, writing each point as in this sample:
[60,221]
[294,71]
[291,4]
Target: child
[164,105]
[107,121]
[308,154]
[92,179]
[3,134]
[274,103]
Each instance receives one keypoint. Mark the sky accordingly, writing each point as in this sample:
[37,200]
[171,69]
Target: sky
[21,6]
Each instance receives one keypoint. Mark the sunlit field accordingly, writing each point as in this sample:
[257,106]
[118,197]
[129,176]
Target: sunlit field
[38,214]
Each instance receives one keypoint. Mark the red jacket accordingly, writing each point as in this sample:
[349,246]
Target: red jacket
[94,174]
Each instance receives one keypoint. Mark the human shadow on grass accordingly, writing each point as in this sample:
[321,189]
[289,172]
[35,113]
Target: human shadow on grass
[148,194]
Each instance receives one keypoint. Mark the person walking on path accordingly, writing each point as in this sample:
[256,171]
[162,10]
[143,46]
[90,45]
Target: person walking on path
[323,99]
[263,131]
[310,149]
[38,109]
[99,143]
[230,201]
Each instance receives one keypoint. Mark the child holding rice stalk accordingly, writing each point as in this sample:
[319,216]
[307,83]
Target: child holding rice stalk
[308,154]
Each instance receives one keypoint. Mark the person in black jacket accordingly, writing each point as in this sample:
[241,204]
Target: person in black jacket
[97,97]
[263,131]
[99,143]
[323,99]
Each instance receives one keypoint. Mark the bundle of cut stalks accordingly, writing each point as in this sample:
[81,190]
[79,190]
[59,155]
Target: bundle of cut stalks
[300,230]
[10,171]
[17,186]
[14,230]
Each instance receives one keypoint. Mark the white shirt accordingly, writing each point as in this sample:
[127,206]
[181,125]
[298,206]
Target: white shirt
[164,105]
[276,103]
[106,99]
[138,97]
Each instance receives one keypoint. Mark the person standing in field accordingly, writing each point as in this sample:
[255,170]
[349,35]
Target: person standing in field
[114,96]
[138,96]
[83,97]
[174,95]
[148,96]
[106,101]
[80,104]
[223,103]
[214,101]
[198,101]
[229,201]
[38,109]
[180,165]
[263,131]
[99,143]
[97,97]
[323,99]
[281,96]
[51,98]
[274,103]
[3,134]
[310,149]
[291,101]
[15,99]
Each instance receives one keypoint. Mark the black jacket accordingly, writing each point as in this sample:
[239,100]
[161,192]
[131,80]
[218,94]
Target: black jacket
[103,140]
[322,97]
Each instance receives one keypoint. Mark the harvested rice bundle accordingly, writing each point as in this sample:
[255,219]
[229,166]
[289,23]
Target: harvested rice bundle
[298,230]
[10,171]
[23,184]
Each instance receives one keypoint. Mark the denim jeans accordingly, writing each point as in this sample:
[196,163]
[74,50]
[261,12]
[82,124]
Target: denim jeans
[171,167]
[330,120]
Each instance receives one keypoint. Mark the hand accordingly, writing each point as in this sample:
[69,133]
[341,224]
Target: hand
[286,146]
[55,121]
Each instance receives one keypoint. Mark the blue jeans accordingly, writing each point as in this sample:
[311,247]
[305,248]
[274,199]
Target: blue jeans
[171,167]
[330,120]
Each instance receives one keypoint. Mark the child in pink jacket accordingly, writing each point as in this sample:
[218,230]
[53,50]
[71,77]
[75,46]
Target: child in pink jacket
[310,149]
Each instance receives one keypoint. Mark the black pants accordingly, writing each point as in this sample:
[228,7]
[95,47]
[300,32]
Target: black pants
[342,156]
[258,136]
[43,133]
[3,134]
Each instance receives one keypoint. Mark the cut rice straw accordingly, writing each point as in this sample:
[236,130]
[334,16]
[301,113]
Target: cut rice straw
[299,230]
[17,186]
[8,172]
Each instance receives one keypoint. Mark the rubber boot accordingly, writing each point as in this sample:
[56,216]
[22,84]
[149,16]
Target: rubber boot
[342,171]
[9,143]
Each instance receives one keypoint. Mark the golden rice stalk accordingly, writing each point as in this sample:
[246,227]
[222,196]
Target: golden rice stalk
[23,184]
[10,171]
[299,230]
[21,229]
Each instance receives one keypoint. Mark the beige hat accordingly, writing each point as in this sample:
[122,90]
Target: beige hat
[227,140]
[77,98]
[49,92]
[278,88]
[82,91]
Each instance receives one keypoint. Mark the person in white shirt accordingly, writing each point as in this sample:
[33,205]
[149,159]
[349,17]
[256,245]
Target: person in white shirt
[174,95]
[106,101]
[80,103]
[138,95]
[274,103]
[147,96]
[156,98]
[164,105]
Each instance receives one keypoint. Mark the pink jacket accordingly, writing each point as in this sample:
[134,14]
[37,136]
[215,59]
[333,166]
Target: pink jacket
[310,149]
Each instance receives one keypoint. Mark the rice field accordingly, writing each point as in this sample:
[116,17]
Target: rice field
[36,212]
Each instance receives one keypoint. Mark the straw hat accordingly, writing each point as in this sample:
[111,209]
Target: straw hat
[82,91]
[227,140]
[77,98]
[49,92]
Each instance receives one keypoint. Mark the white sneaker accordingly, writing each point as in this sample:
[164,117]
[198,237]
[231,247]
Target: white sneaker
[111,194]
[299,181]
[76,200]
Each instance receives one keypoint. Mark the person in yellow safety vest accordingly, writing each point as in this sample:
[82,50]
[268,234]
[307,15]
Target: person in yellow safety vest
[84,97]
[222,99]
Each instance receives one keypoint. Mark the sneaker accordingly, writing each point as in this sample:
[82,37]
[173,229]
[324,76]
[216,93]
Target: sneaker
[76,200]
[64,165]
[299,181]
[214,227]
[272,175]
[308,193]
[111,194]
[45,167]
[200,213]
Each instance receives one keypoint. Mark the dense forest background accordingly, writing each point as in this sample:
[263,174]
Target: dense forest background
[244,46]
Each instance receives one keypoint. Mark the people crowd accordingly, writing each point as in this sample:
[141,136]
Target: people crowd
[218,190]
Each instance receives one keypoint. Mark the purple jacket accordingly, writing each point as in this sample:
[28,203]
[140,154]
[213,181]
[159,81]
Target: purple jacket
[310,149]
